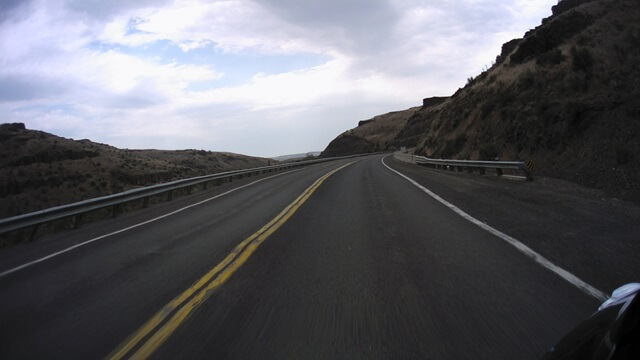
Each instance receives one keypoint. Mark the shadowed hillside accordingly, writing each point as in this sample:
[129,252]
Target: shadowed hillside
[566,96]
[40,170]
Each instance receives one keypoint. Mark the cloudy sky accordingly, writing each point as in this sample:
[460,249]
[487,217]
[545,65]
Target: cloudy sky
[264,77]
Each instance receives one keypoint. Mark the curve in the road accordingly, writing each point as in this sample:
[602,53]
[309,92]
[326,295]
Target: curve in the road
[70,248]
[368,267]
[181,308]
[571,278]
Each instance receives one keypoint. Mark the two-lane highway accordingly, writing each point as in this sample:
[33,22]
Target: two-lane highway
[353,262]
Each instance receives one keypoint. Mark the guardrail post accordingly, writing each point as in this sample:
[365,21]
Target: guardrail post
[499,171]
[481,170]
[528,175]
[77,221]
[33,233]
[145,202]
[169,195]
[205,185]
[189,189]
[115,210]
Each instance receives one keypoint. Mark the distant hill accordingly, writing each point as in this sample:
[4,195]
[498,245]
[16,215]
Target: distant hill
[297,156]
[376,134]
[40,170]
[566,95]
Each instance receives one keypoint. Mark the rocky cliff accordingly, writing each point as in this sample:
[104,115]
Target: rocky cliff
[566,95]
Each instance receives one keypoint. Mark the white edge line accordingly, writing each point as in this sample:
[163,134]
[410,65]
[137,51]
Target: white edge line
[574,280]
[10,271]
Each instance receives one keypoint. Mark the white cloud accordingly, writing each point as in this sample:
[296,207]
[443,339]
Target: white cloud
[94,69]
[287,89]
[191,45]
[120,73]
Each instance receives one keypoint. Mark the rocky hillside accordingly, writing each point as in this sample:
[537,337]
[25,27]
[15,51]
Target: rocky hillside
[376,134]
[566,95]
[40,170]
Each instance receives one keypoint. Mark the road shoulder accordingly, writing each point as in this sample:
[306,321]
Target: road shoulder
[579,229]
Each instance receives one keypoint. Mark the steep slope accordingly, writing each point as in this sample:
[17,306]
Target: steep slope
[378,133]
[40,170]
[566,96]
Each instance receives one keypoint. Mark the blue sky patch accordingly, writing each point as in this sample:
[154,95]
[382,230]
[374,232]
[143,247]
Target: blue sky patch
[238,68]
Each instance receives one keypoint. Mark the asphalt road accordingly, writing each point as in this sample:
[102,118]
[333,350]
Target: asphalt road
[361,265]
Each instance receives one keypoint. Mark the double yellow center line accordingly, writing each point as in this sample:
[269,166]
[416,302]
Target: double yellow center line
[154,332]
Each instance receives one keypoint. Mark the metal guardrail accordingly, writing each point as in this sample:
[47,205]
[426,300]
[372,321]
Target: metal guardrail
[115,201]
[469,165]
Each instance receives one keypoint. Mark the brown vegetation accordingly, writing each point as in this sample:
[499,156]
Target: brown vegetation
[39,170]
[376,134]
[566,95]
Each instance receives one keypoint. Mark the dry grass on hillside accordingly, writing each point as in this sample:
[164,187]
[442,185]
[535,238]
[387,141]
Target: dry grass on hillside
[566,96]
[376,134]
[39,170]
[383,129]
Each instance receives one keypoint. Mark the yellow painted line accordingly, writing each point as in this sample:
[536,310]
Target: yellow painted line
[220,274]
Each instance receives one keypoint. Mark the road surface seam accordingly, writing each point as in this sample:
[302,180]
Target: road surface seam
[206,286]
[574,280]
[17,268]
